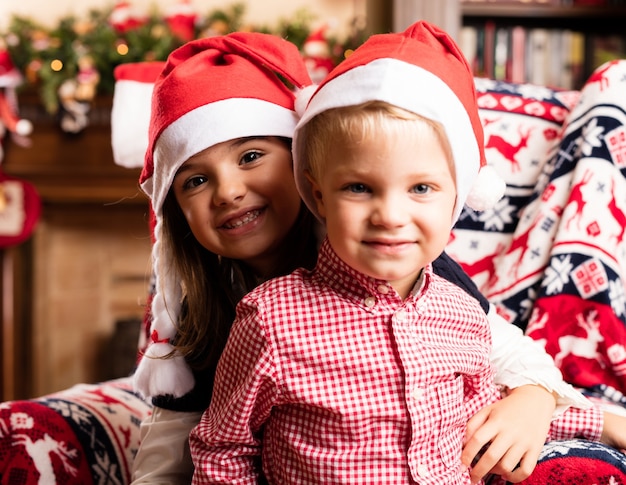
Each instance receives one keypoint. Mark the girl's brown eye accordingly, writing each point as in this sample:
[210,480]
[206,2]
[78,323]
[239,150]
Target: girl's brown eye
[250,157]
[194,182]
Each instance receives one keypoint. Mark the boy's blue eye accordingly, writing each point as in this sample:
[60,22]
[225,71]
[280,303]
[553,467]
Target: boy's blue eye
[421,189]
[357,188]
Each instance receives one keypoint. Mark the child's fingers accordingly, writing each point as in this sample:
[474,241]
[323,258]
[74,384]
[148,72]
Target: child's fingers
[475,422]
[472,451]
[520,472]
[517,463]
[477,435]
[495,457]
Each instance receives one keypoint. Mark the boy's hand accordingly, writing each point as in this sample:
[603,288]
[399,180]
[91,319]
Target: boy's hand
[614,431]
[512,432]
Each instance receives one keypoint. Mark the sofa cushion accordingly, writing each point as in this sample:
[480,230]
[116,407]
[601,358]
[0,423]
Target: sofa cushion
[552,254]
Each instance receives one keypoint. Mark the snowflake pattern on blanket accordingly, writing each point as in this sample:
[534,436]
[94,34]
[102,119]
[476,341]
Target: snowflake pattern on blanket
[552,254]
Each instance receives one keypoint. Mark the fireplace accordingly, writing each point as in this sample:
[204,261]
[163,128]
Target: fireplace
[84,273]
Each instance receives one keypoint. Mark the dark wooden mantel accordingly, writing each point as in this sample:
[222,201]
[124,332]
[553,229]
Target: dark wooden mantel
[68,167]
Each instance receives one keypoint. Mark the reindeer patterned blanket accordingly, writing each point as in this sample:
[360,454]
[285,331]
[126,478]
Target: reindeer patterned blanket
[84,435]
[552,254]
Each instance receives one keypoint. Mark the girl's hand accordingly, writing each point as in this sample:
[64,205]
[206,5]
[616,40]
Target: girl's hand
[506,437]
[614,431]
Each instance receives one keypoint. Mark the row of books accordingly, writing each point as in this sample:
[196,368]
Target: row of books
[552,57]
[554,3]
[529,2]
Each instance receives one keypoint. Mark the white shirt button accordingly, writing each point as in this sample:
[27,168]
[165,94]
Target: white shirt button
[383,289]
[400,315]
[422,470]
[417,393]
[370,301]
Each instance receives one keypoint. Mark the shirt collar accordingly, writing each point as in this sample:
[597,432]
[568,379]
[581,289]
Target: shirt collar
[345,279]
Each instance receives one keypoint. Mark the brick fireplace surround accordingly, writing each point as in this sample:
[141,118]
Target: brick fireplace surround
[85,270]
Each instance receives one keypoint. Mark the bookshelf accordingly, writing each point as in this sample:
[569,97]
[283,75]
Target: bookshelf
[549,43]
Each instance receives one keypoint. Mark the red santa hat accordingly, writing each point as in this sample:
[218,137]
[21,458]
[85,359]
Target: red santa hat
[10,76]
[9,118]
[130,114]
[316,43]
[421,70]
[125,17]
[10,79]
[181,18]
[317,56]
[211,90]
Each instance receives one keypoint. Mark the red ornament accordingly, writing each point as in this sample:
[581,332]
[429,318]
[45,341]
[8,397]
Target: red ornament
[20,208]
[181,19]
[317,56]
[124,17]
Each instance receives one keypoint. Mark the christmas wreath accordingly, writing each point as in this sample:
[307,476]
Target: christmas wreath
[72,62]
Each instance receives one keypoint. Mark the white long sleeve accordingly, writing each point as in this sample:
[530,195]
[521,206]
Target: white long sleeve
[520,360]
[163,457]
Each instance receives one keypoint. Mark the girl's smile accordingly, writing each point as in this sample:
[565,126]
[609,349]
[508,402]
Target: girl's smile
[244,221]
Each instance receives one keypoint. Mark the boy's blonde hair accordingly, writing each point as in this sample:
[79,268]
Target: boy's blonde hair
[349,125]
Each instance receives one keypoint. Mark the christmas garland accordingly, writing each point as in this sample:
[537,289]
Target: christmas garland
[76,58]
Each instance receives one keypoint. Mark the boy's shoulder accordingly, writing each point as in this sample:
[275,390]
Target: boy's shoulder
[299,281]
[452,289]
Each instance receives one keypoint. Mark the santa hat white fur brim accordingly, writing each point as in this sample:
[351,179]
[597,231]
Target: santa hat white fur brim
[130,117]
[395,82]
[130,114]
[182,138]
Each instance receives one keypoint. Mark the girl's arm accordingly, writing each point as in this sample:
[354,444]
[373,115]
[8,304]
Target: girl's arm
[614,430]
[520,360]
[163,455]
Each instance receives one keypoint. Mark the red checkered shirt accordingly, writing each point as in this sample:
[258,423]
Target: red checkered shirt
[329,377]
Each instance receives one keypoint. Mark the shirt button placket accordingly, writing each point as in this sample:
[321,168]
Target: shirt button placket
[417,393]
[369,302]
[422,470]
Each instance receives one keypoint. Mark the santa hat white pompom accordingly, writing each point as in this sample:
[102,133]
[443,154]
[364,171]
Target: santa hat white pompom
[161,375]
[24,127]
[302,98]
[487,189]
